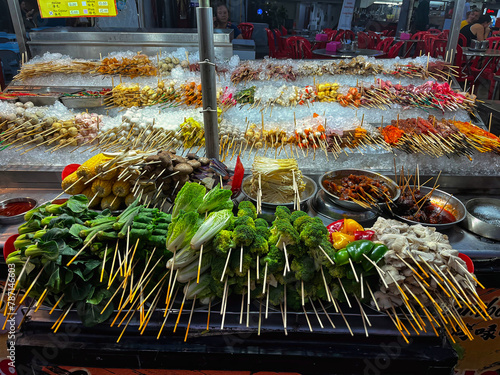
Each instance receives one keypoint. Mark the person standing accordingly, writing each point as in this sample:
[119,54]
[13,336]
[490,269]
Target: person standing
[422,15]
[221,20]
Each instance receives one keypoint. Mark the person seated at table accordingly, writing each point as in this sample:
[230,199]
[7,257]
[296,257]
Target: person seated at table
[479,30]
[221,20]
[472,16]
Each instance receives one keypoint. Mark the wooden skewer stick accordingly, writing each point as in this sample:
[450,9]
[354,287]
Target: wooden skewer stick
[337,307]
[63,317]
[345,293]
[316,313]
[354,270]
[167,313]
[32,285]
[307,318]
[227,262]
[190,316]
[199,266]
[180,310]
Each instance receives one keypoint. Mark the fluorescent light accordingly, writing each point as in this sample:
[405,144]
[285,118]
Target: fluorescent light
[387,2]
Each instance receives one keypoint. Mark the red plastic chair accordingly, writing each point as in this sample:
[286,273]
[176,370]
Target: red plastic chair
[364,41]
[385,44]
[281,42]
[284,31]
[444,34]
[273,52]
[439,48]
[339,36]
[428,41]
[299,47]
[434,31]
[349,35]
[375,39]
[394,50]
[462,40]
[494,42]
[461,62]
[331,35]
[246,29]
[420,45]
[390,32]
[490,70]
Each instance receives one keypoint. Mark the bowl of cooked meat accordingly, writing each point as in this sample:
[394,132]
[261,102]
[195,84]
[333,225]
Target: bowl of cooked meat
[357,189]
[429,207]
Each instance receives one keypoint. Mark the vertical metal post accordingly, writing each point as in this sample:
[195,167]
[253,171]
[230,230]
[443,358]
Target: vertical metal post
[451,47]
[17,21]
[140,13]
[208,83]
[403,16]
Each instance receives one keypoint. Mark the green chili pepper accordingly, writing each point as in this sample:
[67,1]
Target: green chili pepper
[376,254]
[341,257]
[356,249]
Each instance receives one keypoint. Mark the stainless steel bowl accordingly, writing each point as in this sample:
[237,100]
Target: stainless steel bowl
[8,220]
[441,199]
[268,209]
[486,224]
[329,211]
[338,174]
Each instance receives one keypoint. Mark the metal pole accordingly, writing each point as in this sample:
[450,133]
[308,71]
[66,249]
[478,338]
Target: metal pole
[17,21]
[140,13]
[451,47]
[208,83]
[403,16]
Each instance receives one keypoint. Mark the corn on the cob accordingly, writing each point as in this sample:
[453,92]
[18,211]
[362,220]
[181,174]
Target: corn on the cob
[107,173]
[101,188]
[112,202]
[88,169]
[121,188]
[93,200]
[129,199]
[71,185]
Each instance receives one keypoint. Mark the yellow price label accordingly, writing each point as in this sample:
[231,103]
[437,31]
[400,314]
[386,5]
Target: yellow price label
[72,8]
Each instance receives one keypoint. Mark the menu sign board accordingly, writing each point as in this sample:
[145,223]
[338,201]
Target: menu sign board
[77,8]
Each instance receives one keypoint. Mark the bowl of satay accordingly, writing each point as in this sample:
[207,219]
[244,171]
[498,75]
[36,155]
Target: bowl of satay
[357,189]
[428,206]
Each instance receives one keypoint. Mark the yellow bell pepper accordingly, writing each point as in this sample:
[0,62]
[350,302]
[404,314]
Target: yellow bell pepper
[340,240]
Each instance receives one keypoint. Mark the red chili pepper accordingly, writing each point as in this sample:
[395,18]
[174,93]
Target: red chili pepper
[363,235]
[336,226]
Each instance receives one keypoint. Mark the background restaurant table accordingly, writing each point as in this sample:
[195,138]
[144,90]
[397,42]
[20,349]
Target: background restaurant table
[490,54]
[347,54]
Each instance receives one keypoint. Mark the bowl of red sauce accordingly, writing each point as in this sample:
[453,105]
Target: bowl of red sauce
[12,210]
[429,207]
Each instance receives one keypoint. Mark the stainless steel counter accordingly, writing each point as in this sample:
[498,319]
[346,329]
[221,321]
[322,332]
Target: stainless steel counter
[91,43]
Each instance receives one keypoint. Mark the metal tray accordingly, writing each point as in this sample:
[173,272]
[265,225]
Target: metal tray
[83,101]
[477,223]
[340,173]
[39,100]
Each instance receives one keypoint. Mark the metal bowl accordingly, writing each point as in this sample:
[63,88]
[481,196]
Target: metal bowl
[329,211]
[340,173]
[441,199]
[269,208]
[485,224]
[8,220]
